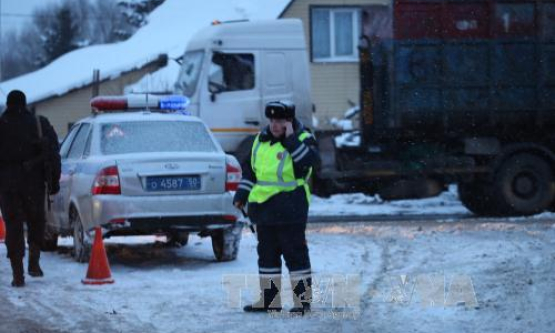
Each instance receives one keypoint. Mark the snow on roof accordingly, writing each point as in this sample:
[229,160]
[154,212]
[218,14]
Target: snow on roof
[168,31]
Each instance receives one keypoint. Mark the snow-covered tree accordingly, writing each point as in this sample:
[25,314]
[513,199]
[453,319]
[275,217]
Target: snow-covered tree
[59,27]
[136,11]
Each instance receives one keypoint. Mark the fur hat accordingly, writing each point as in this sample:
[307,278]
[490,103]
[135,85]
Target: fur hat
[16,98]
[280,110]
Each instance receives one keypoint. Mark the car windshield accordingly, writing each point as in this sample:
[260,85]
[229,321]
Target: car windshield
[155,136]
[186,83]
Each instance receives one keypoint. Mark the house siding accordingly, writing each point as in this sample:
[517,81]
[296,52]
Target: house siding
[75,105]
[335,86]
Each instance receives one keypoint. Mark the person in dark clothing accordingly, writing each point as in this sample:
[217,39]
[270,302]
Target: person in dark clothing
[29,159]
[275,187]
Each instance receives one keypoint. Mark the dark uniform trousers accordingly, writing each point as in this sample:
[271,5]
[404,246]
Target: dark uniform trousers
[288,240]
[18,207]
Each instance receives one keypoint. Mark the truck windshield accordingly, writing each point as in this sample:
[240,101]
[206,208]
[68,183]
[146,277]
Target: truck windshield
[189,74]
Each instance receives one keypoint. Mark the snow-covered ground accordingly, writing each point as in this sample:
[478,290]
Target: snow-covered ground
[507,268]
[159,289]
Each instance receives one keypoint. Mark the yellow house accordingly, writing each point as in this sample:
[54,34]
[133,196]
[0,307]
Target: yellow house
[332,29]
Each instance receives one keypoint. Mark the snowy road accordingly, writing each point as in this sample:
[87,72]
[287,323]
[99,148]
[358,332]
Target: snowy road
[508,268]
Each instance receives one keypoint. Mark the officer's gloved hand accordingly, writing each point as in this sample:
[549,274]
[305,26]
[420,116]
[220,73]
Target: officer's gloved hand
[239,204]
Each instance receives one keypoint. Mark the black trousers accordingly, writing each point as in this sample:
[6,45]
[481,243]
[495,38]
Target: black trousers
[287,240]
[19,207]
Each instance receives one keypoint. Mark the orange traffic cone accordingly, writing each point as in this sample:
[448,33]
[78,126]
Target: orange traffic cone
[2,230]
[99,268]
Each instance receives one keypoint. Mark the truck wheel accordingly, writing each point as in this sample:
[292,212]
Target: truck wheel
[476,197]
[524,185]
[82,241]
[50,240]
[225,242]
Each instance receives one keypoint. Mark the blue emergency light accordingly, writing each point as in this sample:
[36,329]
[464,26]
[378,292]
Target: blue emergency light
[174,102]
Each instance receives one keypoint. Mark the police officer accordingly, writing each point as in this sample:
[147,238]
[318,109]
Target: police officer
[23,175]
[275,186]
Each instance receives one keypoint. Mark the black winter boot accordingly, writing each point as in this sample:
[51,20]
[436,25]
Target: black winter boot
[34,258]
[270,299]
[302,295]
[18,273]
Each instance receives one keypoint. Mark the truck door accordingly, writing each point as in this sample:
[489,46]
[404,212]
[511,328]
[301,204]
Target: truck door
[230,97]
[276,77]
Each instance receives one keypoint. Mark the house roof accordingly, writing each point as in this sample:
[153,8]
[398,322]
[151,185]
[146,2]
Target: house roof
[168,31]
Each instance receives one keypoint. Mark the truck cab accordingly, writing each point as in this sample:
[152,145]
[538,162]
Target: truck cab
[231,70]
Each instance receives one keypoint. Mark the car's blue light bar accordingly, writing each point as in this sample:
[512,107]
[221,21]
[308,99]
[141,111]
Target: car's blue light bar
[145,102]
[174,102]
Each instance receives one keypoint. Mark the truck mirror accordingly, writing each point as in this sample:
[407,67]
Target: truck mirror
[215,88]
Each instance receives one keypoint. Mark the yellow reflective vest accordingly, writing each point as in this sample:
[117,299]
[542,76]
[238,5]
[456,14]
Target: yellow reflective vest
[273,167]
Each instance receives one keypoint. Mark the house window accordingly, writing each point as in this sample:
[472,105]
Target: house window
[335,33]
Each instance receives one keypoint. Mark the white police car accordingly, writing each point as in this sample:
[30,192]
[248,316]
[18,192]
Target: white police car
[134,171]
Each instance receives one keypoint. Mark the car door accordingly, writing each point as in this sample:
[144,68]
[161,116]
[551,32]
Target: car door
[71,158]
[57,209]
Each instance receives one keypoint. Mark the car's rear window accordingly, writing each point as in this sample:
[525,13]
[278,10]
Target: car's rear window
[155,136]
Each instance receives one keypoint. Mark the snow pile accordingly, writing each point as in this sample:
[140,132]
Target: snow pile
[350,138]
[169,29]
[360,204]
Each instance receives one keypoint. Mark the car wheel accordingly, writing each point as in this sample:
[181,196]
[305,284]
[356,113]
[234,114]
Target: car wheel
[82,241]
[524,185]
[225,242]
[180,238]
[50,240]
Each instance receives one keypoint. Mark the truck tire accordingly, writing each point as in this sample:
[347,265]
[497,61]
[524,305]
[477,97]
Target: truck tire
[225,242]
[524,185]
[477,197]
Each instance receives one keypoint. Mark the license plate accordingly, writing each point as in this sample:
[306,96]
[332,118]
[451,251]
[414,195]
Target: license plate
[172,183]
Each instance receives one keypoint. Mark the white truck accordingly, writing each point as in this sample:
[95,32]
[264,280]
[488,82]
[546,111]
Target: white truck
[231,70]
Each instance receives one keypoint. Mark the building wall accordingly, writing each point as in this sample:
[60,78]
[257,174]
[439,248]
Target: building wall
[334,84]
[75,105]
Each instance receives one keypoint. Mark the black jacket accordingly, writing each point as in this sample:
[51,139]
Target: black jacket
[284,207]
[23,155]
